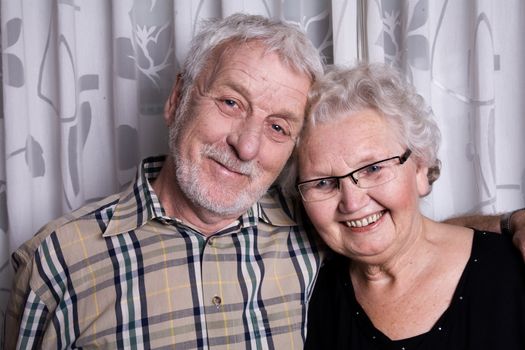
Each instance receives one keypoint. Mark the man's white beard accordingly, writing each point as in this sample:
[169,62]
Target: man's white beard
[212,196]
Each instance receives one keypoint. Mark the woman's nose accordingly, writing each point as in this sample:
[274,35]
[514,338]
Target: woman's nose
[352,198]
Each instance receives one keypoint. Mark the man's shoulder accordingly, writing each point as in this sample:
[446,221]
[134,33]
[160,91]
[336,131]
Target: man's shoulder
[90,218]
[274,194]
[279,209]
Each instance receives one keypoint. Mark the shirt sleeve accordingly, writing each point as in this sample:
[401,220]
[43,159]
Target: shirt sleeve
[26,316]
[33,323]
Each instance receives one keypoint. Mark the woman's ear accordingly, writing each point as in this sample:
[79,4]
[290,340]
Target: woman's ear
[426,176]
[170,107]
[423,184]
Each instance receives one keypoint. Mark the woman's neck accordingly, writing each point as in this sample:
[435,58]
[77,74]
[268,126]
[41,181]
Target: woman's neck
[416,285]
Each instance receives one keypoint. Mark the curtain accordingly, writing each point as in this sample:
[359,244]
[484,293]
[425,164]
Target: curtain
[84,83]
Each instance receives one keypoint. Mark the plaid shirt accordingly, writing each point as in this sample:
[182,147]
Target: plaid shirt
[121,274]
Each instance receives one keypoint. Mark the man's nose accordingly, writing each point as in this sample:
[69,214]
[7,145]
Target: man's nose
[245,138]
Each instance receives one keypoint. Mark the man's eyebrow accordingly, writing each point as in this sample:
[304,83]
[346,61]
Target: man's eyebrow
[292,116]
[238,87]
[243,90]
[233,85]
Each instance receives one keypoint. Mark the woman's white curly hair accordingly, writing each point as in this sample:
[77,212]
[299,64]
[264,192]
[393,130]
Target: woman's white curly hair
[343,91]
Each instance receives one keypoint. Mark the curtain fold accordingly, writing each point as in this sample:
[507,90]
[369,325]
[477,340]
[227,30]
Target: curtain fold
[84,84]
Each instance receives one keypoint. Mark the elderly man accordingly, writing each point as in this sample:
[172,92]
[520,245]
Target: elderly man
[194,253]
[197,252]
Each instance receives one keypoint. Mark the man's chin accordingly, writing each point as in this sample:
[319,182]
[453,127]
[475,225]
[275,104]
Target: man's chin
[226,206]
[223,199]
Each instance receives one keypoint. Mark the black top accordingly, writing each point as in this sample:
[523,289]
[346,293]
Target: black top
[486,312]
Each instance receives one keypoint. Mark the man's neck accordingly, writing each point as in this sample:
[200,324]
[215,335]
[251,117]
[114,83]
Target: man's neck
[177,206]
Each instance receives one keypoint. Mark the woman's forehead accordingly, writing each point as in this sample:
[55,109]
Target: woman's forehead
[352,140]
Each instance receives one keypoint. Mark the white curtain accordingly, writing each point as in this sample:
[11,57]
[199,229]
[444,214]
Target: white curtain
[84,82]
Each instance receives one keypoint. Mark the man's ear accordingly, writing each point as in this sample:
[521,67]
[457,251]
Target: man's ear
[170,107]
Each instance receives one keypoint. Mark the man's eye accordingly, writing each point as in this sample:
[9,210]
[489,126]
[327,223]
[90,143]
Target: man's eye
[278,128]
[229,107]
[230,103]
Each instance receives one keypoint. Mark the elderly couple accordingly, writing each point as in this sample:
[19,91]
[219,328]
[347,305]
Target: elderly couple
[202,252]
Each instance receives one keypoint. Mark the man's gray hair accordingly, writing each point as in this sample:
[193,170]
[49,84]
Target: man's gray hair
[285,39]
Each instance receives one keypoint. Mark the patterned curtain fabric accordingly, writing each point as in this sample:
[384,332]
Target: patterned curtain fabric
[84,84]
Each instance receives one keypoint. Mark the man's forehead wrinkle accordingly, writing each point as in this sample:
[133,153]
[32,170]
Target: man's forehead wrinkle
[233,51]
[236,70]
[264,101]
[243,81]
[258,75]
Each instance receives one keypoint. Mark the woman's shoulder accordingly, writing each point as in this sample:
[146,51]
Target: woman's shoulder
[495,274]
[493,290]
[496,252]
[447,236]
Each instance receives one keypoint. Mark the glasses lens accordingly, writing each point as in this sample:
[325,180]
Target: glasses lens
[376,174]
[372,175]
[318,189]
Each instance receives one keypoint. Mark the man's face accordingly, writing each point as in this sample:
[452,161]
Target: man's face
[242,119]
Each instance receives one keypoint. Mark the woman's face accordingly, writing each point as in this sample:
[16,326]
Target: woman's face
[364,224]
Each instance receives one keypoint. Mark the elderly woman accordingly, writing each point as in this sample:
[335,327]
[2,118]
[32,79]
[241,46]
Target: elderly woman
[399,280]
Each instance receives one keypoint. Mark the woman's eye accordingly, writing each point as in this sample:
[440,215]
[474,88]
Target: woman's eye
[372,169]
[325,184]
[320,184]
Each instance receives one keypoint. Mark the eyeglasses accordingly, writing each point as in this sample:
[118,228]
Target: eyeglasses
[368,176]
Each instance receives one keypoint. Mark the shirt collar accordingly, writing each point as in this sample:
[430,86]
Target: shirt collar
[138,204]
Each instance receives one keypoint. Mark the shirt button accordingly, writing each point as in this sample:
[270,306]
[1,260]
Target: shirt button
[217,301]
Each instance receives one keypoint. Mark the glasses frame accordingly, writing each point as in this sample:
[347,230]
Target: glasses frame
[402,159]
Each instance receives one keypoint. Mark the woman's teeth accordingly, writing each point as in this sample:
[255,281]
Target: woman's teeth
[364,221]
